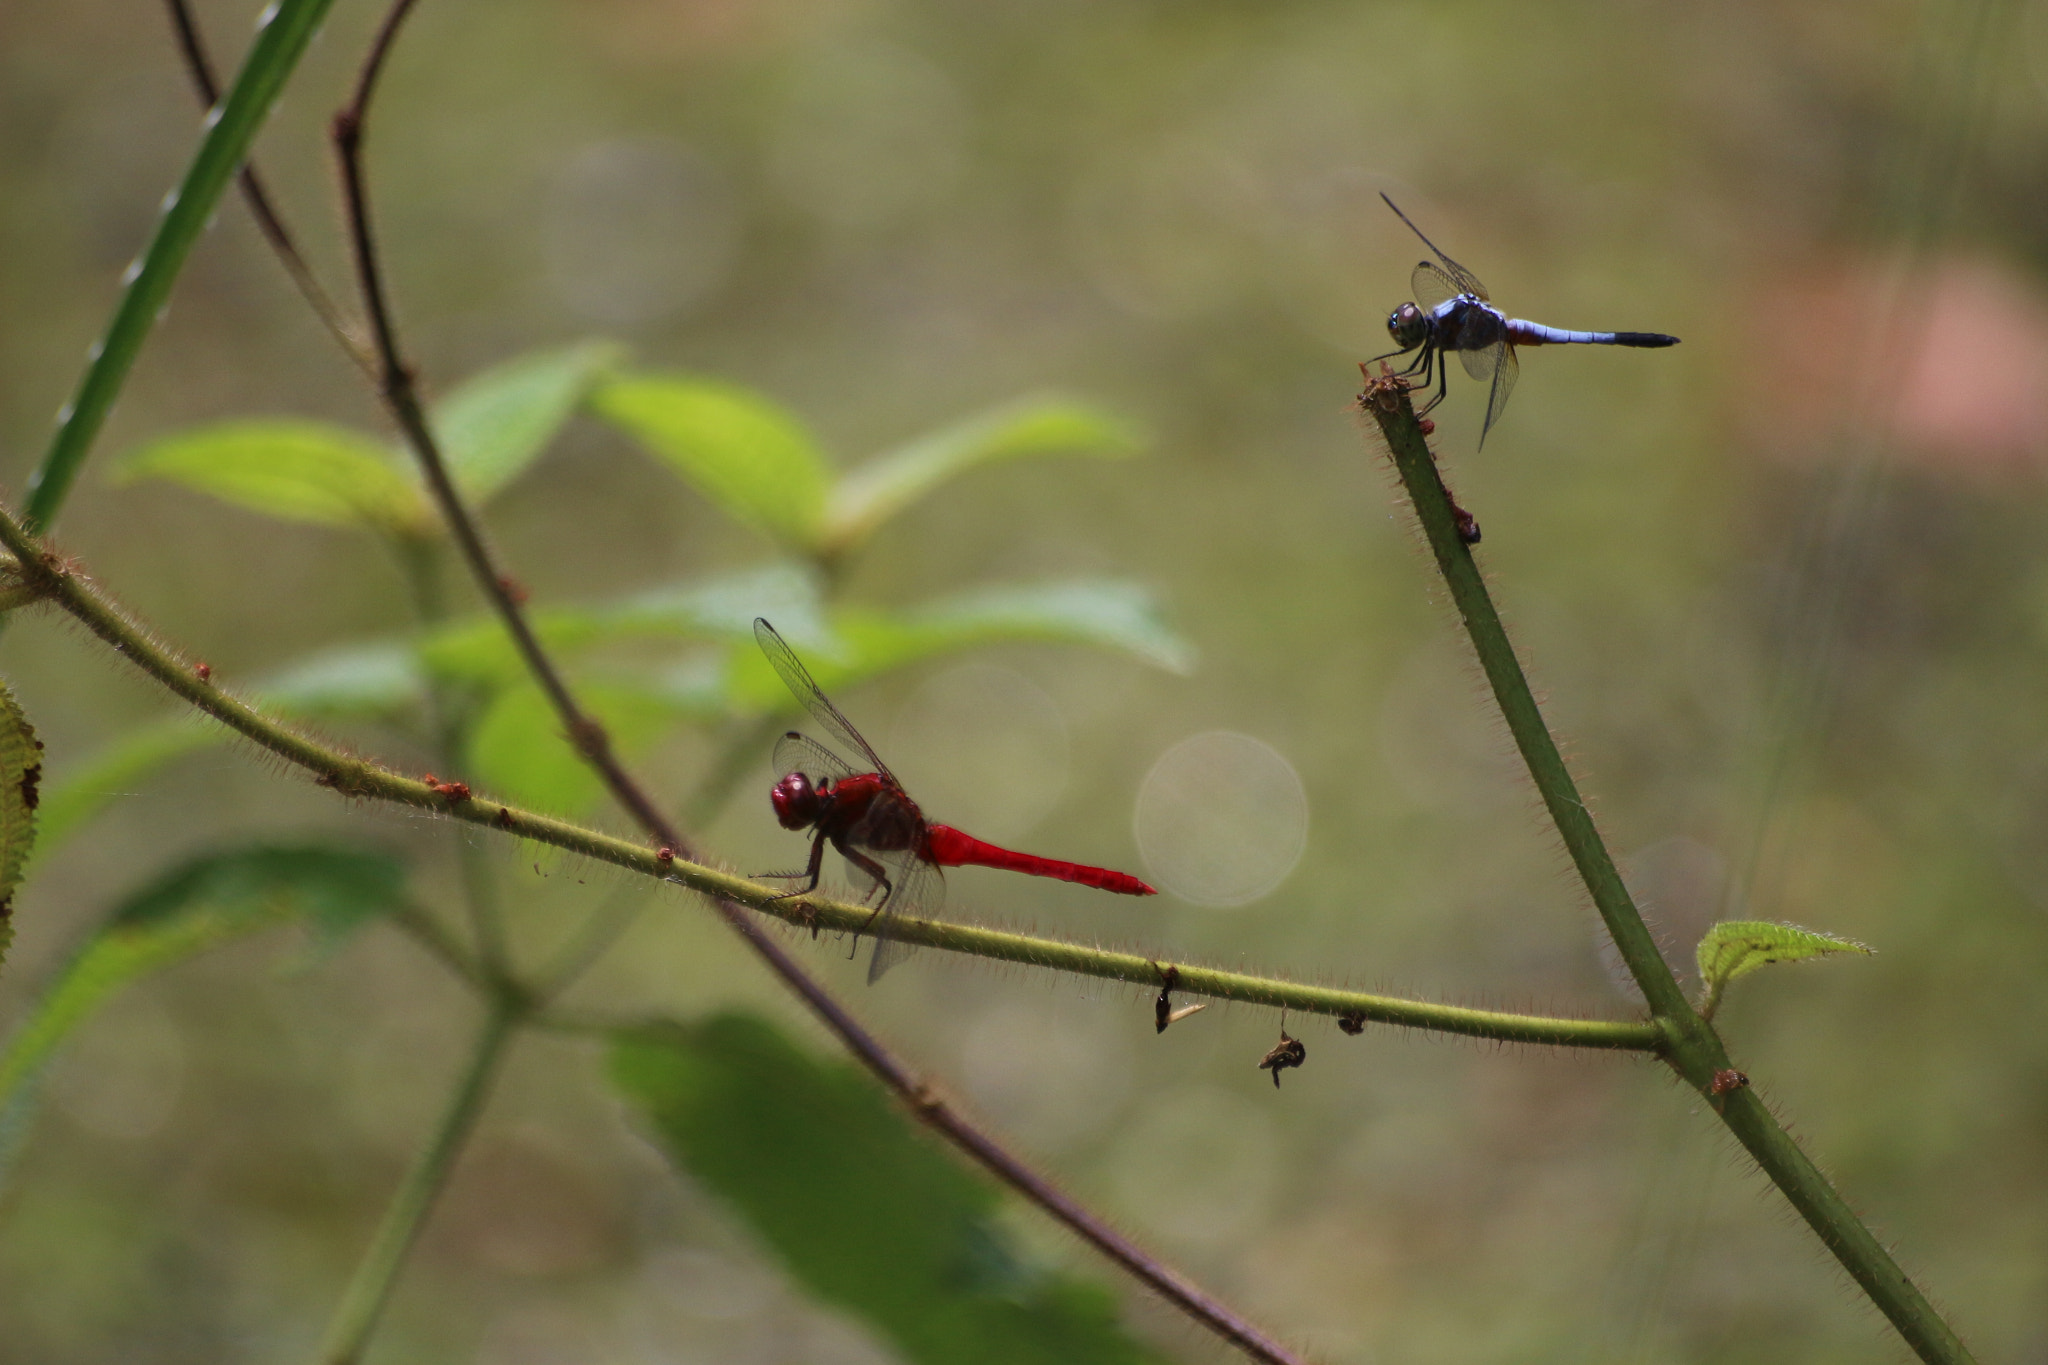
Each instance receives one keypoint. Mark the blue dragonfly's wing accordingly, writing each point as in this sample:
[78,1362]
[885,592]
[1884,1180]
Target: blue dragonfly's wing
[1484,363]
[1431,285]
[1462,281]
[1507,369]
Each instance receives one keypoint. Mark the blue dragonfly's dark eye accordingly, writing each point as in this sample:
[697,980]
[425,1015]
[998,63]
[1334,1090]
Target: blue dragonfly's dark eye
[1408,326]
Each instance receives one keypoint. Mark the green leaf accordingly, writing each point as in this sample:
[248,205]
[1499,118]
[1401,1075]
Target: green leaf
[518,752]
[300,471]
[21,772]
[882,487]
[83,791]
[379,679]
[720,608]
[744,452]
[495,425]
[868,1214]
[280,41]
[1735,948]
[198,905]
[1102,613]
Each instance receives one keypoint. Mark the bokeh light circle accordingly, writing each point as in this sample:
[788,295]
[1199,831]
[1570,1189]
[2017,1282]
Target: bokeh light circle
[1222,819]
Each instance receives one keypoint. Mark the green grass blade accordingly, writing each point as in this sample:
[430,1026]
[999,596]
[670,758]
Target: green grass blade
[284,32]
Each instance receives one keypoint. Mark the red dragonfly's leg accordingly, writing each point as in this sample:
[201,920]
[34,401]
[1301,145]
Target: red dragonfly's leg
[810,875]
[873,869]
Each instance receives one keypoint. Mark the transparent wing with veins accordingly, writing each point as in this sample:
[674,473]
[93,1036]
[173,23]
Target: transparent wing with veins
[805,689]
[799,753]
[1506,370]
[1446,281]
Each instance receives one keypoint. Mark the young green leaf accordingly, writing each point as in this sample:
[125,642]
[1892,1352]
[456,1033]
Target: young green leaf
[21,771]
[493,426]
[867,1213]
[198,905]
[83,790]
[1102,613]
[519,754]
[1735,948]
[378,679]
[718,608]
[300,471]
[877,490]
[744,452]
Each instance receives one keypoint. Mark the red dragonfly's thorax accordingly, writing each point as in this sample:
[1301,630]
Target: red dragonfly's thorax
[867,808]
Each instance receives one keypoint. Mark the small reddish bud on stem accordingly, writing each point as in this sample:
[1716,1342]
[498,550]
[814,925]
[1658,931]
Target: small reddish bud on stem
[1726,1081]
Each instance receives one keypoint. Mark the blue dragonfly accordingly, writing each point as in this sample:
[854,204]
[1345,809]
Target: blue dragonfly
[1451,312]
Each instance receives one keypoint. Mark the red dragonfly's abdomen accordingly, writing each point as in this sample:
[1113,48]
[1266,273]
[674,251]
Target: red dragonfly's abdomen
[948,847]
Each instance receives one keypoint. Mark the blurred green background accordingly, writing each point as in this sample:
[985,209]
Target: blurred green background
[1784,589]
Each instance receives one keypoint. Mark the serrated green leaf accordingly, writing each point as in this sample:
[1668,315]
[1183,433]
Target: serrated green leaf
[720,608]
[867,1213]
[1736,948]
[518,752]
[198,905]
[877,490]
[297,470]
[865,644]
[740,449]
[494,425]
[21,773]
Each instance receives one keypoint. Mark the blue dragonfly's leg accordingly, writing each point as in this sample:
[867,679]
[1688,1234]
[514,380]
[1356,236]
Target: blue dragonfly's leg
[1442,380]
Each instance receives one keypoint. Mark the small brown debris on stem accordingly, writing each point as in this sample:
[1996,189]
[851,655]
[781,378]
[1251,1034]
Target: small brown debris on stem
[1287,1052]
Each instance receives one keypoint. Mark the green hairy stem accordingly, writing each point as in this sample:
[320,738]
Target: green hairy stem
[1691,1045]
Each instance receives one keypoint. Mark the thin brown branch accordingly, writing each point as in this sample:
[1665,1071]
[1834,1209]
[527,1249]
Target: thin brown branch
[192,46]
[396,381]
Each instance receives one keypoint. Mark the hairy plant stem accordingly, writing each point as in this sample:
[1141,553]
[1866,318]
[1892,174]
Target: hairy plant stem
[369,1289]
[62,586]
[419,560]
[1691,1045]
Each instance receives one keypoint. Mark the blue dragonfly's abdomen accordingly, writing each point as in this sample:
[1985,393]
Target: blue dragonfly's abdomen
[1525,333]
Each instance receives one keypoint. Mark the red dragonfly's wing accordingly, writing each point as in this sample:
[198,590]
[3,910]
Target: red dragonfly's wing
[1464,280]
[805,689]
[798,753]
[918,890]
[1506,370]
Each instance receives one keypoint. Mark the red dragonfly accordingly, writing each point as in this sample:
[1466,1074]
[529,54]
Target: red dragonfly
[874,824]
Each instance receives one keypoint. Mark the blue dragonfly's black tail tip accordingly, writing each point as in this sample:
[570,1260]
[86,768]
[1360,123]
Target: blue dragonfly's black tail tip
[1645,339]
